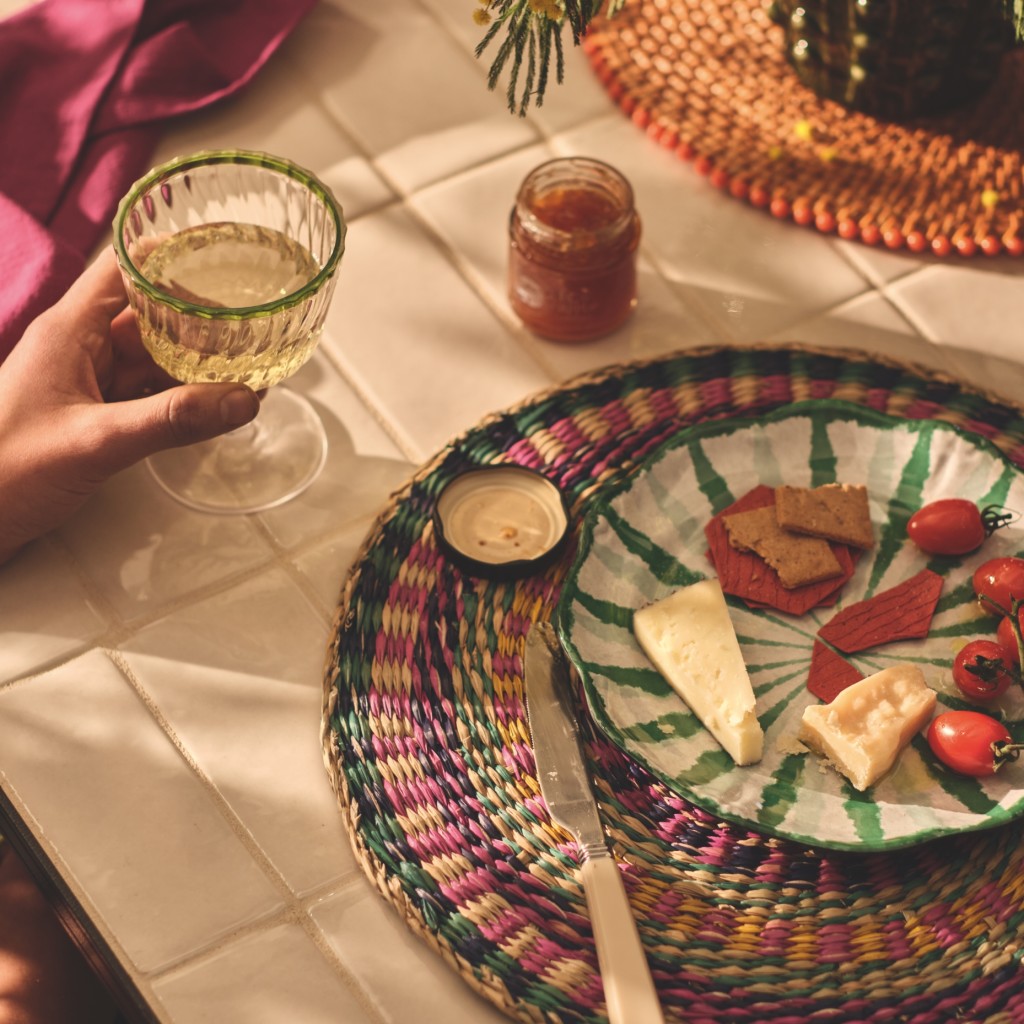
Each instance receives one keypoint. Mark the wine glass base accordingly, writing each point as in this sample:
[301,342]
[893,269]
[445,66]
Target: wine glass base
[256,467]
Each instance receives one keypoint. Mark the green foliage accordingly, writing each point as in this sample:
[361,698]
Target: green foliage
[532,38]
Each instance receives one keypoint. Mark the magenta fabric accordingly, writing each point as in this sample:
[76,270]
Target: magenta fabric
[85,88]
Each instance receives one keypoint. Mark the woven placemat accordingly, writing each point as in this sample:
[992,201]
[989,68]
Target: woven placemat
[426,743]
[708,79]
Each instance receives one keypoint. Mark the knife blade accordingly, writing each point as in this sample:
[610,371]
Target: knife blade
[565,785]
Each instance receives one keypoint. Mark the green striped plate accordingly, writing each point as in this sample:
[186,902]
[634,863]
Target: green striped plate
[646,539]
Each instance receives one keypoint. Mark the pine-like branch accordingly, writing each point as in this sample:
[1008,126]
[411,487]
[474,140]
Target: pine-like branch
[532,29]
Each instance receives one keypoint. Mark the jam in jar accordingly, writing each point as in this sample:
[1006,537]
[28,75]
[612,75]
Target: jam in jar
[573,236]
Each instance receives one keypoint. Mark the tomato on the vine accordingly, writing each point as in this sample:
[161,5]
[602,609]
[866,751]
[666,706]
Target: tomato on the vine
[983,670]
[998,581]
[954,526]
[949,526]
[971,743]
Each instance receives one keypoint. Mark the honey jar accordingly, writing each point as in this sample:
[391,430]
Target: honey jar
[573,237]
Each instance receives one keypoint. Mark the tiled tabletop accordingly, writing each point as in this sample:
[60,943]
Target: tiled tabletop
[160,670]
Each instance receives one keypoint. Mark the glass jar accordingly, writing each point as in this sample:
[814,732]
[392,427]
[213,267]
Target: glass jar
[573,236]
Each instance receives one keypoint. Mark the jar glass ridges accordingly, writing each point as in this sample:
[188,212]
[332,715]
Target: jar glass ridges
[573,236]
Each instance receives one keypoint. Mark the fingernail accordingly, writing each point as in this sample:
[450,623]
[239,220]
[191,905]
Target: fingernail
[238,407]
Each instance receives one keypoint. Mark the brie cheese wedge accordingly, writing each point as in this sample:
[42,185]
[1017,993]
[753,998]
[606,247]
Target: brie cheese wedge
[866,726]
[691,641]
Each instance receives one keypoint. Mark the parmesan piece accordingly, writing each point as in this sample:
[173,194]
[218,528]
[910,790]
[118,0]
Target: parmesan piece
[866,726]
[691,641]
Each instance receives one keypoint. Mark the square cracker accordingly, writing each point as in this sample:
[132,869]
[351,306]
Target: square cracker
[797,560]
[836,512]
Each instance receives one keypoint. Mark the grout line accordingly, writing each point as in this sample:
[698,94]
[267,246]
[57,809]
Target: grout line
[907,312]
[292,909]
[295,913]
[396,436]
[236,824]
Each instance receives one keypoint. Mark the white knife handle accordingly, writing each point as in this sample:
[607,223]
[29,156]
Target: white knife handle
[628,986]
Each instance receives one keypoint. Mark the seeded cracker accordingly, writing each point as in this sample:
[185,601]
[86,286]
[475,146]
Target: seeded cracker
[797,560]
[748,576]
[836,512]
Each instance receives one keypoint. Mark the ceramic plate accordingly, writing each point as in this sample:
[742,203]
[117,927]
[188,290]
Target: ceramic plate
[647,539]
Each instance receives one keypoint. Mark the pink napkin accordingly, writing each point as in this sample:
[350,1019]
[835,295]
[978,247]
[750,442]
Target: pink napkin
[85,87]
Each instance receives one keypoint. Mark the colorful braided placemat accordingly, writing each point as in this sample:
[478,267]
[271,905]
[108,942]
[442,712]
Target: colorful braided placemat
[708,79]
[427,746]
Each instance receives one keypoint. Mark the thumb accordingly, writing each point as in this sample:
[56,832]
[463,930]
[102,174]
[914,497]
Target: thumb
[181,415]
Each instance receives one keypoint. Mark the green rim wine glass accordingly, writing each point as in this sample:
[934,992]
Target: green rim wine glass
[229,259]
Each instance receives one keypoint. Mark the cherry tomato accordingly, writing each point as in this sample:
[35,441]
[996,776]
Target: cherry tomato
[955,526]
[1007,638]
[971,743]
[983,670]
[998,581]
[949,526]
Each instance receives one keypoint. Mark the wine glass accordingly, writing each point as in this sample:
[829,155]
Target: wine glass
[229,261]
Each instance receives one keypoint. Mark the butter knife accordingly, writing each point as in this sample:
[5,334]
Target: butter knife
[561,770]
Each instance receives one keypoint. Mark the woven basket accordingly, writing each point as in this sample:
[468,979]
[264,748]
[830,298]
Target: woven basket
[427,746]
[709,79]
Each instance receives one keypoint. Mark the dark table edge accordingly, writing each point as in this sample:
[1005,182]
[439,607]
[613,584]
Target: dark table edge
[73,918]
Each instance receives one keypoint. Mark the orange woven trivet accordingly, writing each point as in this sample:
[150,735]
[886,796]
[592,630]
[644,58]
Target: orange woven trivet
[708,79]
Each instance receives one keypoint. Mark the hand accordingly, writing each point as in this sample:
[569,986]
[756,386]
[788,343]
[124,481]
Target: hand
[72,411]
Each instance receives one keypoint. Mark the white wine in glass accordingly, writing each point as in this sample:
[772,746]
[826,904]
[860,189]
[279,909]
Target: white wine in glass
[229,259]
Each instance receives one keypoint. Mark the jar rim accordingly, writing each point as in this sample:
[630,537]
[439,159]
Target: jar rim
[589,172]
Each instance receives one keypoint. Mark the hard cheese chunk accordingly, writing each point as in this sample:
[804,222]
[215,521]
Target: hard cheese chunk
[690,639]
[866,726]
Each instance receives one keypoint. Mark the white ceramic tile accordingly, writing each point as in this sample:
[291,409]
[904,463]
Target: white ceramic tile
[404,88]
[870,324]
[275,112]
[358,925]
[159,550]
[266,978]
[40,577]
[879,264]
[363,464]
[416,340]
[974,305]
[750,274]
[239,679]
[327,565]
[136,830]
[969,309]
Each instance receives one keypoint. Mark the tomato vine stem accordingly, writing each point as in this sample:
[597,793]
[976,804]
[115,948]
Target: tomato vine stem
[1015,606]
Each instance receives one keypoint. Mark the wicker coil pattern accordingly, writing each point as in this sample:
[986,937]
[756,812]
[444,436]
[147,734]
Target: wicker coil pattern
[709,80]
[427,746]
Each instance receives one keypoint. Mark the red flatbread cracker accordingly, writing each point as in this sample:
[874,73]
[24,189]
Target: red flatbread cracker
[903,612]
[745,575]
[829,674]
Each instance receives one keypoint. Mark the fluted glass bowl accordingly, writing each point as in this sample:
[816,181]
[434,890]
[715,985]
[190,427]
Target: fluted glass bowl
[229,259]
[253,311]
